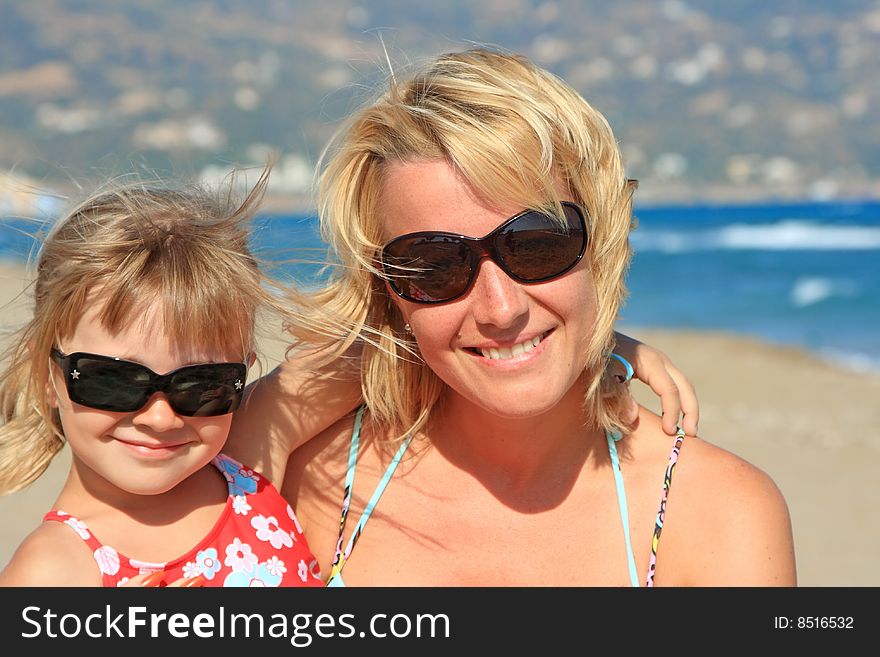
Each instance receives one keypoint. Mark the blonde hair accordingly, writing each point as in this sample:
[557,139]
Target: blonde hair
[515,132]
[131,244]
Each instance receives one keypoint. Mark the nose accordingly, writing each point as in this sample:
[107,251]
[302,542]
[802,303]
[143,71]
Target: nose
[158,414]
[497,299]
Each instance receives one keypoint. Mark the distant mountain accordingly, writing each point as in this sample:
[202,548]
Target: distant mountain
[739,99]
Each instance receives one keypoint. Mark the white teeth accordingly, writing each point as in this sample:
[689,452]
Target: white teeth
[498,353]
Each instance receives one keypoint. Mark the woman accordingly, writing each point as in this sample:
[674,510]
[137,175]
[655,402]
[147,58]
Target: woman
[481,215]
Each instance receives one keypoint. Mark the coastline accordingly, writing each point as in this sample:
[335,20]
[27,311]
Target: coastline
[810,425]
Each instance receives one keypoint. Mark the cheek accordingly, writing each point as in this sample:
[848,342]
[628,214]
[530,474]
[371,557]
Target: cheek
[436,328]
[212,429]
[83,423]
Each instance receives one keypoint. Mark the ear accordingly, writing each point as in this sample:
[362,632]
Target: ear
[250,359]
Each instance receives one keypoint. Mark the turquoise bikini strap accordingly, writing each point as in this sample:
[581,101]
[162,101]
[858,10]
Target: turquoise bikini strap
[380,488]
[349,483]
[353,450]
[621,502]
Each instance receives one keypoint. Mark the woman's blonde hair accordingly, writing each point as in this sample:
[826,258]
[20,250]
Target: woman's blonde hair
[515,132]
[130,245]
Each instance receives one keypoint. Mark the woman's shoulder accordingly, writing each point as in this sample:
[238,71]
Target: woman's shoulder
[727,522]
[702,465]
[51,555]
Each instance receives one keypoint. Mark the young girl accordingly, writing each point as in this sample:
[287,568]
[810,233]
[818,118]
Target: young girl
[136,357]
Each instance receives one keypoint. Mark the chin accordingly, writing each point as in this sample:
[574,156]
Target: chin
[518,405]
[149,487]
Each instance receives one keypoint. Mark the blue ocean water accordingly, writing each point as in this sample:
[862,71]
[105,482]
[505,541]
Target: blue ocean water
[800,274]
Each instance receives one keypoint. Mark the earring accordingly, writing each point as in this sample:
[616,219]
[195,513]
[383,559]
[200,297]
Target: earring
[407,328]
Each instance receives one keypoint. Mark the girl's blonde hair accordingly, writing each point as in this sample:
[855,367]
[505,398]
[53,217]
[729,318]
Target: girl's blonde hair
[130,245]
[515,132]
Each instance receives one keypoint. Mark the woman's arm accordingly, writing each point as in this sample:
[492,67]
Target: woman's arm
[296,401]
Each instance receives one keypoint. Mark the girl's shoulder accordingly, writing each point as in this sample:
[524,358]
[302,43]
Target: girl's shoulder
[51,555]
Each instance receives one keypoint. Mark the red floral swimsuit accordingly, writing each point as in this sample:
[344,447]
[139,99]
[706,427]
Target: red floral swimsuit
[257,541]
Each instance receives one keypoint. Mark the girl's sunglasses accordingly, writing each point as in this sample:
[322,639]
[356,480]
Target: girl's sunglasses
[531,247]
[111,384]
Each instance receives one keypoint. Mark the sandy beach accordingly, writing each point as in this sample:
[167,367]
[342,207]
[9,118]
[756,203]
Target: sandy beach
[814,428]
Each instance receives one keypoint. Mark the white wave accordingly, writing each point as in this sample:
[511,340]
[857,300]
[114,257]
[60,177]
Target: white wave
[807,291]
[789,235]
[812,289]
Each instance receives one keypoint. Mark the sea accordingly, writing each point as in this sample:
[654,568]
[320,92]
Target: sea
[800,274]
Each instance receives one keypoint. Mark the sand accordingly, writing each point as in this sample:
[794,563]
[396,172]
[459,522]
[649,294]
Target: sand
[813,427]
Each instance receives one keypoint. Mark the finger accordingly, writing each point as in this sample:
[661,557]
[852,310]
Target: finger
[188,582]
[690,407]
[670,402]
[146,580]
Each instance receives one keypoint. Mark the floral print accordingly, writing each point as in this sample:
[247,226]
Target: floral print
[239,556]
[249,545]
[240,505]
[269,530]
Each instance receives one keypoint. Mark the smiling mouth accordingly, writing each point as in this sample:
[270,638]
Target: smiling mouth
[152,448]
[503,353]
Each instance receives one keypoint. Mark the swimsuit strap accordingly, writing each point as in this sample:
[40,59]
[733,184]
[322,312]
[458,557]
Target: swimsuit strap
[76,525]
[341,558]
[661,513]
[612,438]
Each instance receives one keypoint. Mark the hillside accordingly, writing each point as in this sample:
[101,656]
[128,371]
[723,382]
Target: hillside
[711,101]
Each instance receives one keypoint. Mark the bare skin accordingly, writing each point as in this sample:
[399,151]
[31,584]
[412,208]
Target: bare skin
[454,522]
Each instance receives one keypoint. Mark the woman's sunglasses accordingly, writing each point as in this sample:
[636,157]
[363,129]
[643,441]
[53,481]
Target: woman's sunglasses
[111,384]
[531,247]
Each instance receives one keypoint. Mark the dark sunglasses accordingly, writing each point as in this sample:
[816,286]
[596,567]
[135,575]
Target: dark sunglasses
[531,247]
[111,384]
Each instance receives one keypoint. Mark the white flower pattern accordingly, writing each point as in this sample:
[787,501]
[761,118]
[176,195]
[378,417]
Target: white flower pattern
[275,566]
[240,505]
[191,569]
[79,527]
[240,556]
[268,530]
[107,559]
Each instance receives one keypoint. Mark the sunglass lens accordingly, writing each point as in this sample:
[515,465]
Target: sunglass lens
[108,385]
[535,247]
[206,390]
[436,268]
